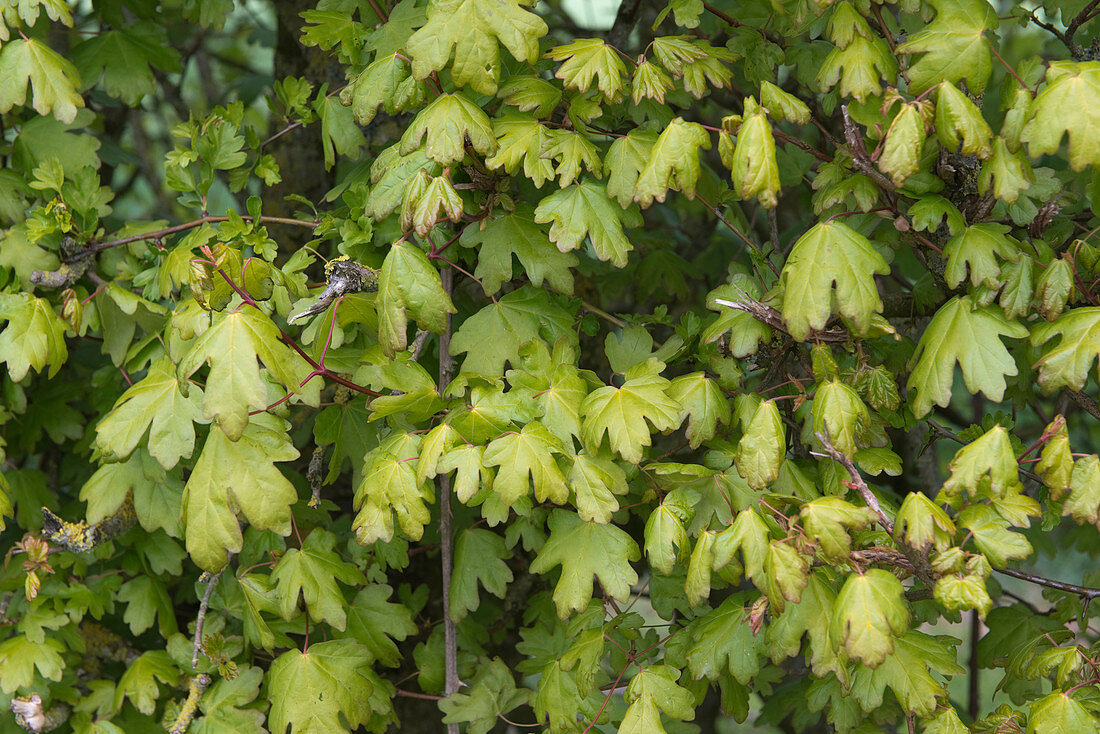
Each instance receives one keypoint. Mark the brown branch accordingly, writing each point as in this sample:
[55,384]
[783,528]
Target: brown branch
[860,158]
[766,314]
[211,582]
[1087,13]
[780,135]
[730,20]
[158,234]
[1088,592]
[446,520]
[1085,402]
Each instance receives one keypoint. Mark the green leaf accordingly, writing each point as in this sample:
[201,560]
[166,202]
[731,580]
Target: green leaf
[745,332]
[573,151]
[527,453]
[449,121]
[839,414]
[390,487]
[1055,288]
[146,598]
[992,536]
[586,549]
[955,45]
[473,28]
[311,691]
[828,521]
[752,163]
[234,387]
[1057,713]
[870,610]
[901,150]
[1006,173]
[521,139]
[624,162]
[1084,491]
[1055,465]
[1063,107]
[785,574]
[139,682]
[34,336]
[782,105]
[493,336]
[225,705]
[588,58]
[908,673]
[53,78]
[312,571]
[385,83]
[123,60]
[921,523]
[992,456]
[722,642]
[762,446]
[243,472]
[665,536]
[622,412]
[673,162]
[978,247]
[649,82]
[157,405]
[831,253]
[585,209]
[19,657]
[858,67]
[642,717]
[959,332]
[961,593]
[697,581]
[957,117]
[702,404]
[489,695]
[479,557]
[517,234]
[409,285]
[595,481]
[1066,362]
[372,620]
[659,683]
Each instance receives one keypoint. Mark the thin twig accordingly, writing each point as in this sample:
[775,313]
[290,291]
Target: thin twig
[201,618]
[1088,592]
[857,482]
[446,519]
[158,234]
[190,708]
[1085,402]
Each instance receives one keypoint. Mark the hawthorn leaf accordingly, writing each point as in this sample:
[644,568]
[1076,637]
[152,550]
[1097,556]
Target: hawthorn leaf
[992,456]
[665,536]
[1055,288]
[954,45]
[921,523]
[447,123]
[225,705]
[659,683]
[907,671]
[697,581]
[53,78]
[831,253]
[649,82]
[479,558]
[530,94]
[785,574]
[967,335]
[722,641]
[957,592]
[960,126]
[572,151]
[783,105]
[928,212]
[311,691]
[472,29]
[1055,465]
[586,209]
[870,611]
[1016,295]
[389,488]
[1067,361]
[1063,108]
[586,59]
[622,412]
[34,336]
[237,475]
[232,344]
[155,404]
[384,83]
[858,67]
[409,285]
[489,695]
[585,550]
